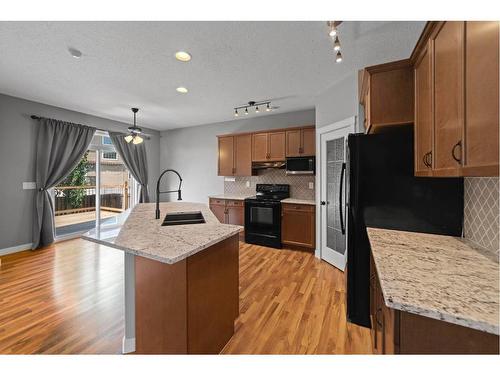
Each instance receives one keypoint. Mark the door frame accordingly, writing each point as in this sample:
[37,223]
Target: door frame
[349,122]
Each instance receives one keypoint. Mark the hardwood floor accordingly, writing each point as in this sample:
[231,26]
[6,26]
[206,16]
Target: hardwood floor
[68,298]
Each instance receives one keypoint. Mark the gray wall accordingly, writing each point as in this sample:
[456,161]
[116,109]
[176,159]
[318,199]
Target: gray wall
[193,151]
[17,154]
[339,102]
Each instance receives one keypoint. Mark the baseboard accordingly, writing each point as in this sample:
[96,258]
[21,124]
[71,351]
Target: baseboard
[15,249]
[128,345]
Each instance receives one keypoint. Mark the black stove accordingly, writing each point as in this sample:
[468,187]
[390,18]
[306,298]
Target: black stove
[263,215]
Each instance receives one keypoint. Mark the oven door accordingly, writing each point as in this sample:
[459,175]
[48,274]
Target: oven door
[263,223]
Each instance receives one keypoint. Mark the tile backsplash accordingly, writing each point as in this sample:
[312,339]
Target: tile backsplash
[482,211]
[299,185]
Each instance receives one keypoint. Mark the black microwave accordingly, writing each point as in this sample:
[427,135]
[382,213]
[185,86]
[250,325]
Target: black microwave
[301,165]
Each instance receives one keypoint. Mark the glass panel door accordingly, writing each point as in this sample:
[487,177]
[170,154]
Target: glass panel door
[333,193]
[95,192]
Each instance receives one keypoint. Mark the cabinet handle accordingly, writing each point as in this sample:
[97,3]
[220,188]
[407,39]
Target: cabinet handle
[300,150]
[234,170]
[424,160]
[429,160]
[458,144]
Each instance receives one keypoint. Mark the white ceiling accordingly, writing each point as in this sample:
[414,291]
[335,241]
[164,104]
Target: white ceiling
[128,64]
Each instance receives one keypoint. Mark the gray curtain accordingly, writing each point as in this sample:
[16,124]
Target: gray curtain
[60,146]
[134,158]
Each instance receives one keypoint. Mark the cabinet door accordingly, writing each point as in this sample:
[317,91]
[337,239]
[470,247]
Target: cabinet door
[219,212]
[243,155]
[423,114]
[298,225]
[260,149]
[226,156]
[309,142]
[293,142]
[448,42]
[481,103]
[277,142]
[235,213]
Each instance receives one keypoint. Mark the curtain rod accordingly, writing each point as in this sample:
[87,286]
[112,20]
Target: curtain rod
[35,117]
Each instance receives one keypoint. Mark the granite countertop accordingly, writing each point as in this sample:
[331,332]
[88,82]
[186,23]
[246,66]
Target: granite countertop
[233,197]
[440,277]
[299,201]
[137,232]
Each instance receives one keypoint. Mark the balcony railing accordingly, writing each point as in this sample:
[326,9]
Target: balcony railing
[114,198]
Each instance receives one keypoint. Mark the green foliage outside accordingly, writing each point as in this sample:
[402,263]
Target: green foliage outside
[77,177]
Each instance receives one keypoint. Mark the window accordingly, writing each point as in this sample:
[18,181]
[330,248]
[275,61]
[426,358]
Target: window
[106,140]
[111,155]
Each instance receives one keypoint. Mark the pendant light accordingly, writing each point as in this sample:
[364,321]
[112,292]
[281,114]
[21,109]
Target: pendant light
[336,44]
[338,58]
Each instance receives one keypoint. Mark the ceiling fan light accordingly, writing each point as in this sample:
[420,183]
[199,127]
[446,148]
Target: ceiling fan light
[268,109]
[257,109]
[137,140]
[236,114]
[129,138]
[333,32]
[246,111]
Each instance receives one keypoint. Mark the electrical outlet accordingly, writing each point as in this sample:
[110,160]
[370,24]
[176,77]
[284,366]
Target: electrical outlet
[248,184]
[29,185]
[311,185]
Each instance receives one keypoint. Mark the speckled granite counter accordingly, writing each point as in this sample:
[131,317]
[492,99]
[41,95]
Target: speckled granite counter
[299,201]
[230,197]
[138,232]
[440,277]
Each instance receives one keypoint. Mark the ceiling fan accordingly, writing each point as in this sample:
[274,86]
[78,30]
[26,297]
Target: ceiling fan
[135,133]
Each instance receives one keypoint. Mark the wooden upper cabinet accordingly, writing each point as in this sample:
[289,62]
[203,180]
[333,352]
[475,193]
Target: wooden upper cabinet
[235,155]
[481,98]
[386,94]
[293,142]
[300,142]
[243,155]
[226,156]
[268,146]
[423,113]
[448,47]
[308,142]
[277,144]
[260,147]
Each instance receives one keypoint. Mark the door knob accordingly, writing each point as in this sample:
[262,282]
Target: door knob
[323,203]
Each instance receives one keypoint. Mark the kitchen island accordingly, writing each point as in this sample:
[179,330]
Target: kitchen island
[181,281]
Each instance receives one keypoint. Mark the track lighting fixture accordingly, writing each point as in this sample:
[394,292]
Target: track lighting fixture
[336,44]
[253,104]
[338,58]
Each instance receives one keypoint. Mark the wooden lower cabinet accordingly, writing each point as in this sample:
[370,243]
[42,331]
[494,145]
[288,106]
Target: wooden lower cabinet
[229,211]
[399,332]
[298,225]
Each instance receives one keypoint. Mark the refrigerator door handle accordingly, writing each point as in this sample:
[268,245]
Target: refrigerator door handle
[341,190]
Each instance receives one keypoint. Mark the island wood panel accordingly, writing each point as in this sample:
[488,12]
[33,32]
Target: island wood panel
[243,155]
[226,156]
[189,306]
[160,307]
[213,297]
[423,113]
[481,98]
[448,47]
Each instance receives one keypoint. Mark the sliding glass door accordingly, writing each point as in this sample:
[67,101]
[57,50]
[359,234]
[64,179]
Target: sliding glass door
[96,191]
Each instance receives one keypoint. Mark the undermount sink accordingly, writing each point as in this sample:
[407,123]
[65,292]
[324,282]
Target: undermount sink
[184,218]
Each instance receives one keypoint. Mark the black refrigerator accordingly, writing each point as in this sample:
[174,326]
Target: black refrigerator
[383,193]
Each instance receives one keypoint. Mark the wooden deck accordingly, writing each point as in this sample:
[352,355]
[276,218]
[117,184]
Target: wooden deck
[81,217]
[68,298]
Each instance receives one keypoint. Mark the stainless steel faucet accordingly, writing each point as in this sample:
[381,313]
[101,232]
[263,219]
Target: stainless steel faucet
[158,192]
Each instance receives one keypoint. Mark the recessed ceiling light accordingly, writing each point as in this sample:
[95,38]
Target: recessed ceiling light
[74,52]
[182,90]
[182,56]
